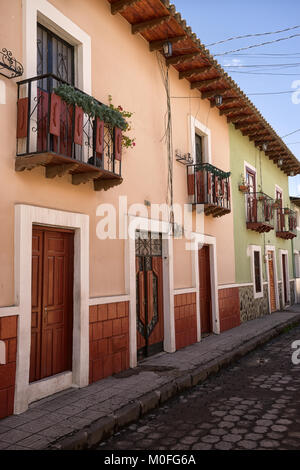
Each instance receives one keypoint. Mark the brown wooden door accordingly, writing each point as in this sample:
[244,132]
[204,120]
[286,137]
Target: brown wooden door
[284,280]
[149,296]
[205,290]
[52,303]
[271,281]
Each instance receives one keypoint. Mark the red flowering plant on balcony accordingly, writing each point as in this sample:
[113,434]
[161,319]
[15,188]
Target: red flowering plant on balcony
[127,142]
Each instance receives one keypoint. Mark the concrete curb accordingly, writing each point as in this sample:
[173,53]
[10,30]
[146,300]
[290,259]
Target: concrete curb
[104,428]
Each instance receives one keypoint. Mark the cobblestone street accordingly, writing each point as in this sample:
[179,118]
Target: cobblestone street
[254,404]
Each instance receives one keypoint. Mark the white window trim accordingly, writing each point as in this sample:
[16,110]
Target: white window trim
[252,249]
[44,12]
[285,252]
[272,248]
[278,189]
[198,128]
[297,263]
[251,167]
[25,217]
[199,240]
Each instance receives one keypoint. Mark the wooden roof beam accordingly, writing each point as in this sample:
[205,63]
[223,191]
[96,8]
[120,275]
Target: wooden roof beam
[158,45]
[274,153]
[239,117]
[192,72]
[150,24]
[274,147]
[258,135]
[231,110]
[245,125]
[262,140]
[212,93]
[179,59]
[202,83]
[252,132]
[121,5]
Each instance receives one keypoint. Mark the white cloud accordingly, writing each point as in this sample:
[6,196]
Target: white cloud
[232,62]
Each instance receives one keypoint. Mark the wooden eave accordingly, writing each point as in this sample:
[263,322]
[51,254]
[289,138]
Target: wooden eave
[158,21]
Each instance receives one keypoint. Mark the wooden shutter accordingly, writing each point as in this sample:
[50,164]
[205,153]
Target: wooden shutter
[99,136]
[55,114]
[118,143]
[209,183]
[191,184]
[22,120]
[78,128]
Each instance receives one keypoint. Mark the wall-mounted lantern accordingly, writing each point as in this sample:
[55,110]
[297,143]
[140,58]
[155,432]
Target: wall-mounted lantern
[218,100]
[168,49]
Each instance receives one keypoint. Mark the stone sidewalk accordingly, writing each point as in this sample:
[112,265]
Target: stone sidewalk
[81,418]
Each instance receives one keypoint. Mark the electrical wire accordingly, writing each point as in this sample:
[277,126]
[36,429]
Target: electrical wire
[293,64]
[253,35]
[257,45]
[248,94]
[168,134]
[291,133]
[265,73]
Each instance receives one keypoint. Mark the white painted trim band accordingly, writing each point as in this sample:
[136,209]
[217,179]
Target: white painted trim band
[9,311]
[188,290]
[230,286]
[109,300]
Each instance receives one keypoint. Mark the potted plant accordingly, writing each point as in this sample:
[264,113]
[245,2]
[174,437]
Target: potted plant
[243,187]
[277,203]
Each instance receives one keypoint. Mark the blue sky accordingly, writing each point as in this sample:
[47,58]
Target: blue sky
[217,20]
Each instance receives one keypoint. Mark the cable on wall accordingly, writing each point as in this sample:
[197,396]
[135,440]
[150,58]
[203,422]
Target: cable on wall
[168,137]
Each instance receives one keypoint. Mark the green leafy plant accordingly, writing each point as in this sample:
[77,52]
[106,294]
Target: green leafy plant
[91,107]
[127,142]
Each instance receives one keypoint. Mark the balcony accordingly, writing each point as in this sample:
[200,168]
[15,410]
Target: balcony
[260,212]
[286,223]
[209,186]
[63,139]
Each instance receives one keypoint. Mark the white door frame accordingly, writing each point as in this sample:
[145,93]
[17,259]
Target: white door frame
[199,240]
[272,248]
[25,217]
[156,226]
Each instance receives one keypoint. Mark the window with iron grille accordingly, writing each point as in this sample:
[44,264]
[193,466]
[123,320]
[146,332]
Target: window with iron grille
[199,149]
[54,55]
[257,272]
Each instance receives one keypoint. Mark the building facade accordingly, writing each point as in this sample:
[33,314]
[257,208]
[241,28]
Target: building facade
[96,271]
[264,226]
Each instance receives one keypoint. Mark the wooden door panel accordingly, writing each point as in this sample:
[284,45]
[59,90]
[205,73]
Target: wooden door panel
[271,282]
[36,310]
[149,305]
[284,280]
[158,332]
[205,290]
[52,292]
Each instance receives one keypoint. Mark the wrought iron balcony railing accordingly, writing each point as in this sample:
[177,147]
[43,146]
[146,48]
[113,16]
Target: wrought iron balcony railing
[62,138]
[209,186]
[260,212]
[286,223]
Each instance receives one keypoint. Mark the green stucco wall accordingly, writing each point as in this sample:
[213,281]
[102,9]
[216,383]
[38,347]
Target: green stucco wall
[267,175]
